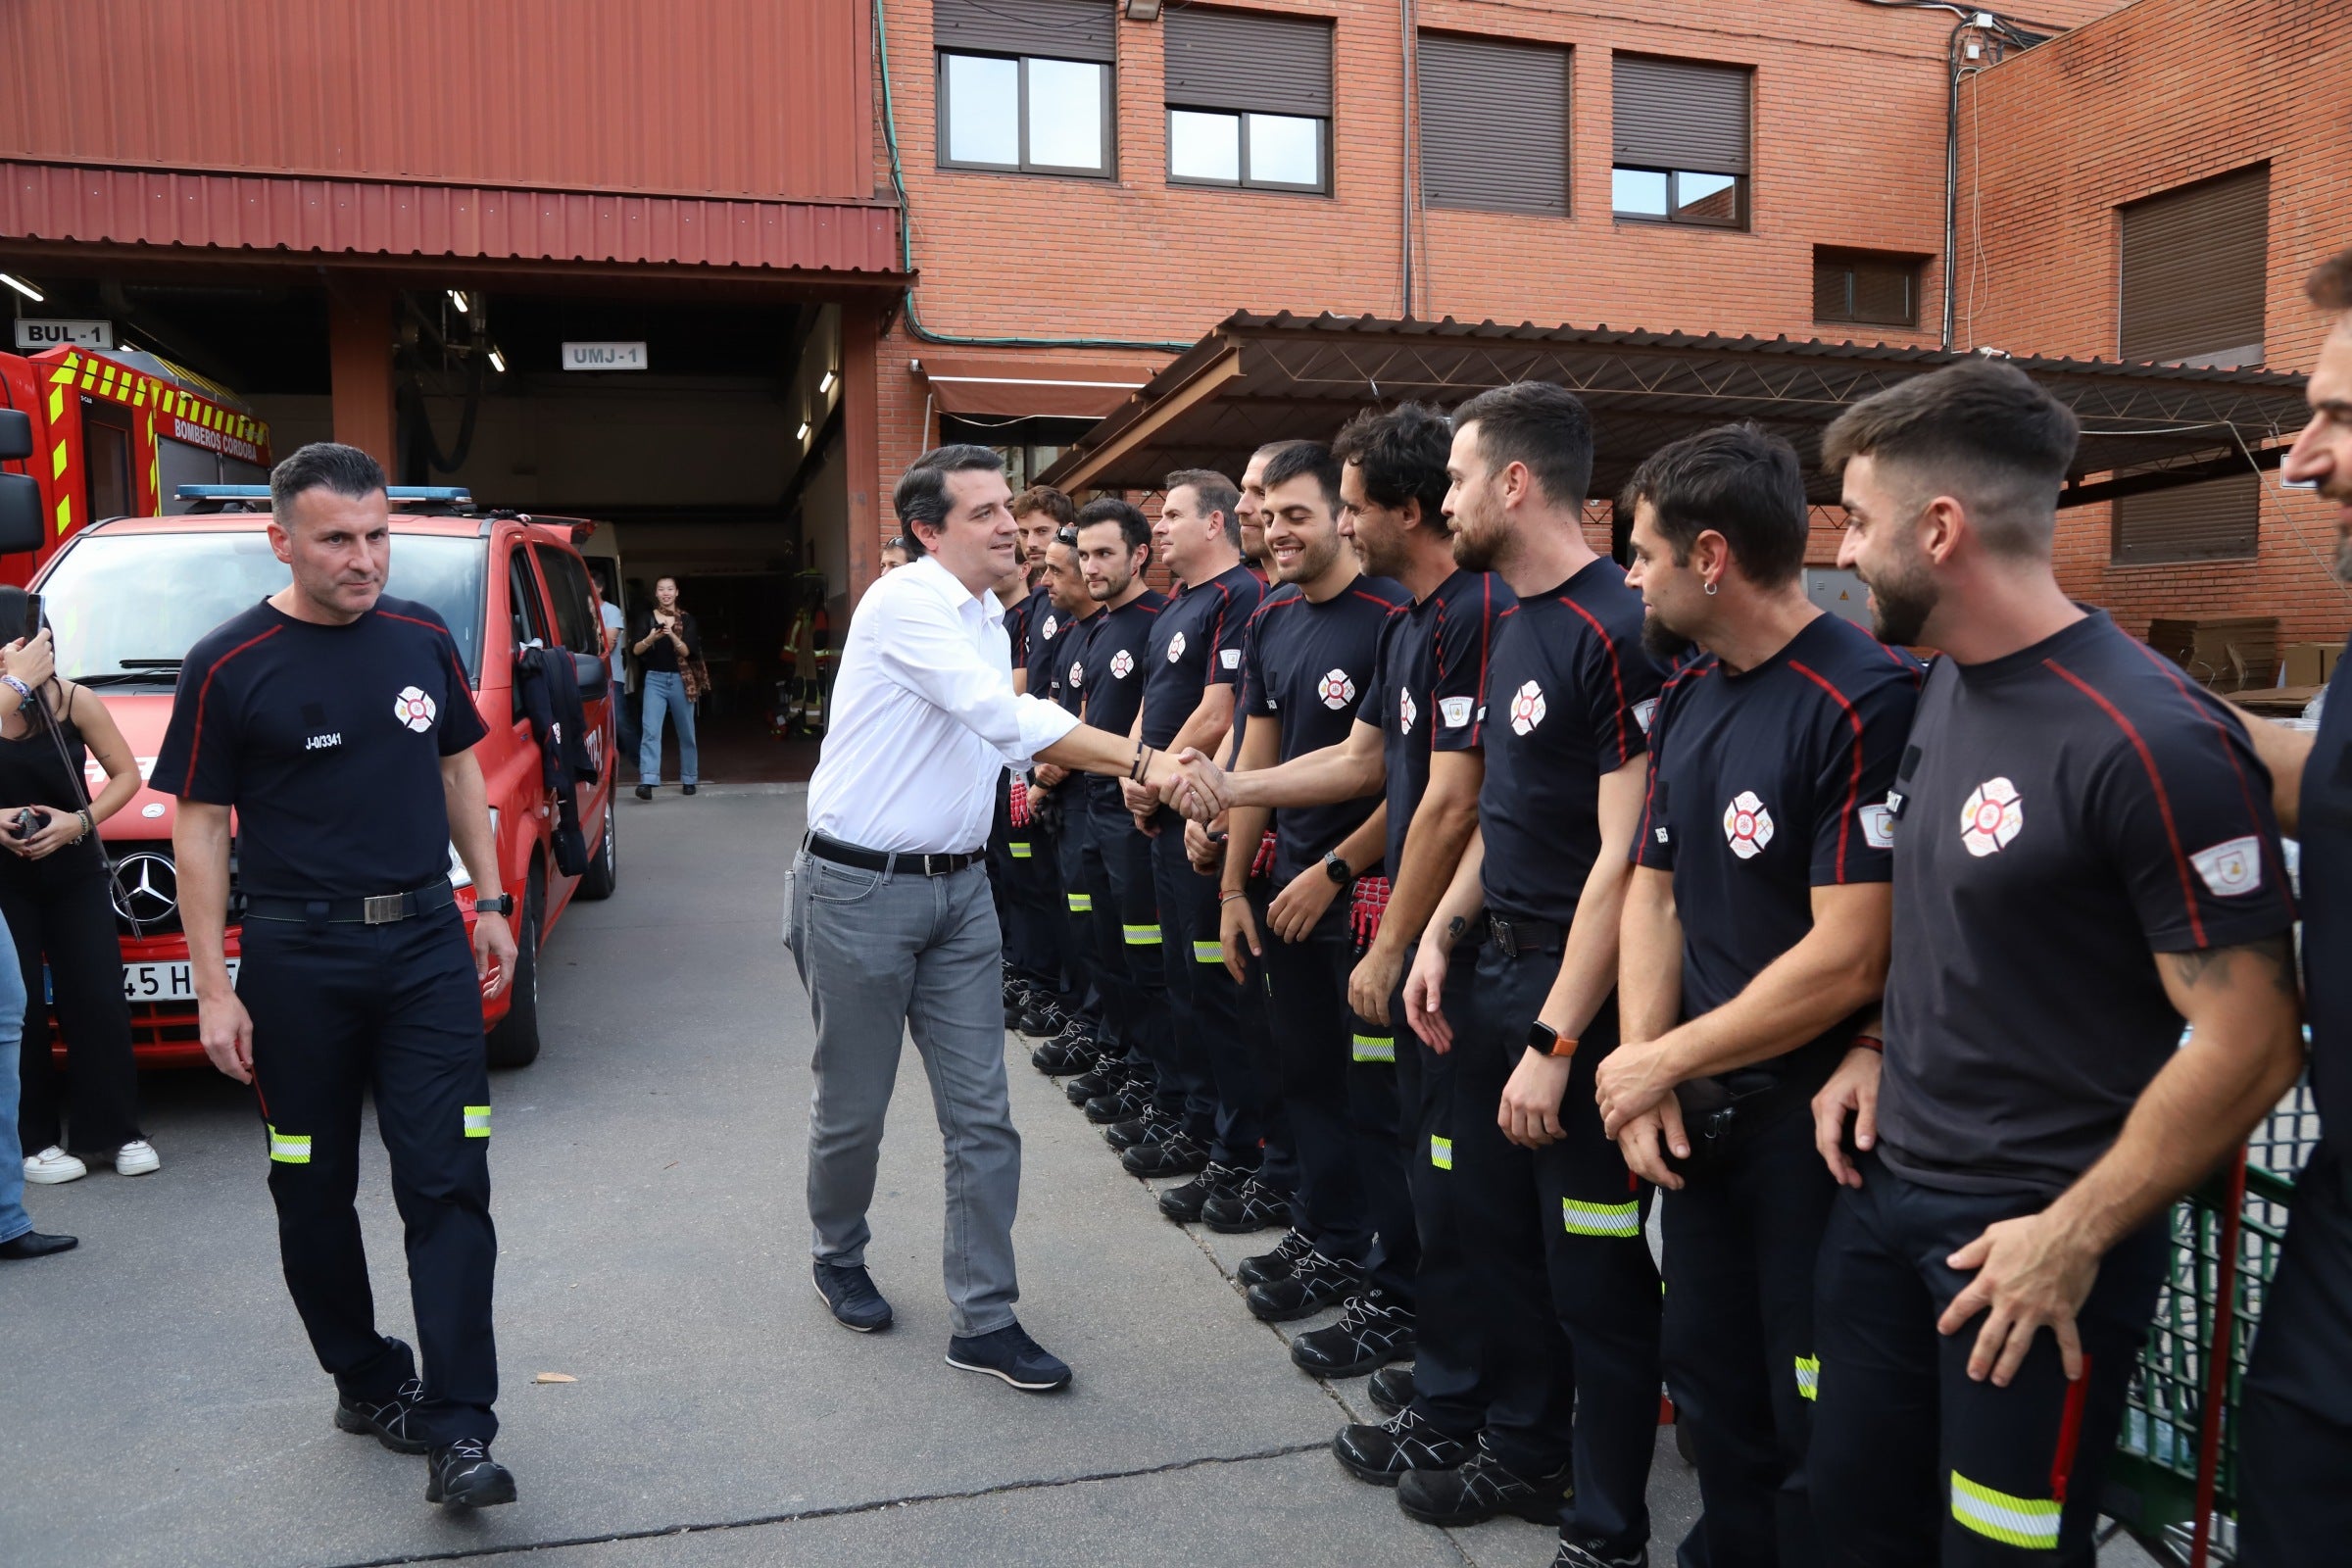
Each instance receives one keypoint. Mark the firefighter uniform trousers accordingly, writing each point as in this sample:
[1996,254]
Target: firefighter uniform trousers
[1743,1237]
[1338,1077]
[2295,1447]
[343,1010]
[1568,1296]
[1069,834]
[1227,1096]
[1448,1382]
[1915,1462]
[1011,853]
[1128,967]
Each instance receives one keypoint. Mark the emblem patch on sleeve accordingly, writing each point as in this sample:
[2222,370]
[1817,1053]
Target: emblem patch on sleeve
[1643,711]
[1878,826]
[1230,657]
[2230,869]
[1455,710]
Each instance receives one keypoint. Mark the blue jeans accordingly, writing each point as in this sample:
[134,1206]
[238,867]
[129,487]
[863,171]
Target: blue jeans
[14,1221]
[666,693]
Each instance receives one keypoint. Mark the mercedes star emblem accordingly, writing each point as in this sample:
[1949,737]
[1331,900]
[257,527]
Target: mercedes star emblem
[146,888]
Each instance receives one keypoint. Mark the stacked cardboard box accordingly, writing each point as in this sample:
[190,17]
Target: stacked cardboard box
[2307,664]
[2225,652]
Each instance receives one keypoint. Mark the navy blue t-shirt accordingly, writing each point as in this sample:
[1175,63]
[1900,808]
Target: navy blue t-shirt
[328,742]
[1110,672]
[2325,828]
[1426,691]
[1054,639]
[1196,643]
[1765,785]
[1307,665]
[1019,617]
[2062,815]
[1570,695]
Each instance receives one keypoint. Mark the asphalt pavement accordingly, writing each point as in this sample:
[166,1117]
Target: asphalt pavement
[159,1405]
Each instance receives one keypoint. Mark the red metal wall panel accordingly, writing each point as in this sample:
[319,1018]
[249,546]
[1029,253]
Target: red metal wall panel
[766,99]
[143,207]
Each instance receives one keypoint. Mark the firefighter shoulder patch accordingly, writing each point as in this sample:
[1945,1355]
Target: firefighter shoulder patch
[2230,869]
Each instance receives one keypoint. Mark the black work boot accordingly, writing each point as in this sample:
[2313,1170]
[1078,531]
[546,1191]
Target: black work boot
[390,1420]
[1315,1282]
[1174,1152]
[1252,1205]
[1267,1267]
[1383,1454]
[1183,1205]
[464,1476]
[1481,1489]
[1391,1388]
[1374,1330]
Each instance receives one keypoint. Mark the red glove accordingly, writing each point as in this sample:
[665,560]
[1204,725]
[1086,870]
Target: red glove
[1020,800]
[1364,912]
[1264,862]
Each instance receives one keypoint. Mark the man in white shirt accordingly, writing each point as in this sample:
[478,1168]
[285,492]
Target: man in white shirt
[888,912]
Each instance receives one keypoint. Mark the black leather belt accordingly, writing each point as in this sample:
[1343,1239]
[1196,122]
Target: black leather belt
[825,849]
[1514,938]
[382,909]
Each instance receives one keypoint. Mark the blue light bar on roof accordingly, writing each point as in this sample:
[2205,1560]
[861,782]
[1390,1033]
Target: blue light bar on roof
[455,494]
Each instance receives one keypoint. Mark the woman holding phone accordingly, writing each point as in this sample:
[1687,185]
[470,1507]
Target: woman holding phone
[666,645]
[58,902]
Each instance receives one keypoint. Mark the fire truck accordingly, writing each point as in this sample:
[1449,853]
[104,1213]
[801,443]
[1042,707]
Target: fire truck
[115,434]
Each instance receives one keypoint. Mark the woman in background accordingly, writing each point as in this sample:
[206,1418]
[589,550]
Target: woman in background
[664,646]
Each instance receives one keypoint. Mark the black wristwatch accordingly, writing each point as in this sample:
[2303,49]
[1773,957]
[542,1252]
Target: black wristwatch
[1542,1037]
[504,905]
[1337,869]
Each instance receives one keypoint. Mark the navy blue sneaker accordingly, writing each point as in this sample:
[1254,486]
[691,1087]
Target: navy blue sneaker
[850,1293]
[1011,1354]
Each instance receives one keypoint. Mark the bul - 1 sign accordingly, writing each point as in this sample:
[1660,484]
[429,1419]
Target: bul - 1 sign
[603,355]
[37,332]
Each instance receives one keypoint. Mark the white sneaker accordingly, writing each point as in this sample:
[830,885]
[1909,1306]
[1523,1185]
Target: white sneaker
[53,1166]
[138,1158]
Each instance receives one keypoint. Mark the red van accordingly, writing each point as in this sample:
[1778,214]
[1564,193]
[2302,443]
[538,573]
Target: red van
[128,598]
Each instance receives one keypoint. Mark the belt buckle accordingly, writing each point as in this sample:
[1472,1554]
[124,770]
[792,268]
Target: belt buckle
[383,909]
[941,869]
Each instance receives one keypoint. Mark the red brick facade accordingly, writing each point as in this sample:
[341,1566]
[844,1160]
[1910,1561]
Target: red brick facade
[2158,95]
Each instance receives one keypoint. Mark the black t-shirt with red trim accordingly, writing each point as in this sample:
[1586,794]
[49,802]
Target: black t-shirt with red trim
[1017,622]
[1764,785]
[1108,671]
[1570,696]
[2324,825]
[328,742]
[1054,639]
[2064,814]
[1197,643]
[1306,666]
[1425,694]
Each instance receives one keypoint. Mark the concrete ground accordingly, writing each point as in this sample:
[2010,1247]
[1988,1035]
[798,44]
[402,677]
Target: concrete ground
[159,1405]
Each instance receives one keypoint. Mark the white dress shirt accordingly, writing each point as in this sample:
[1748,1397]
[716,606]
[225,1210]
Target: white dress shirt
[924,718]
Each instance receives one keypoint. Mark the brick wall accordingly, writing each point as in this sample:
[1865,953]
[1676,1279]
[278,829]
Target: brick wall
[1847,151]
[2155,96]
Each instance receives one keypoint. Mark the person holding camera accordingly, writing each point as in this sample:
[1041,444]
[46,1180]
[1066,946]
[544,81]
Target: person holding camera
[55,895]
[25,667]
[669,649]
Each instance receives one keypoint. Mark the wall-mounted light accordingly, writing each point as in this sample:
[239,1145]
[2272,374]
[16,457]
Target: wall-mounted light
[23,288]
[802,435]
[457,297]
[498,360]
[824,383]
[1143,10]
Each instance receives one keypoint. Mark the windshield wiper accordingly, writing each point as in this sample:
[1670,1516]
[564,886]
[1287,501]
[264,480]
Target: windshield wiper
[148,663]
[132,672]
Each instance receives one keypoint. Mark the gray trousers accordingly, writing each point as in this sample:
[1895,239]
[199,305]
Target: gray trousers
[881,955]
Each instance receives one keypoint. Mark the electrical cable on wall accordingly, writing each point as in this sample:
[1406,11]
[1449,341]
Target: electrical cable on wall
[898,181]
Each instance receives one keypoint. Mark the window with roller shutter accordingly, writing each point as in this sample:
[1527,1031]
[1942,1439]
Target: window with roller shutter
[2216,521]
[1866,287]
[1680,145]
[1025,85]
[1493,125]
[1248,99]
[2195,261]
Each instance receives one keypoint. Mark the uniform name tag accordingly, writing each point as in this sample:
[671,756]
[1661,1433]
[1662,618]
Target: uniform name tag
[321,742]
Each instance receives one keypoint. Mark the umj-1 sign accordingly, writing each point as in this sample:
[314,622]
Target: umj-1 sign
[603,355]
[44,332]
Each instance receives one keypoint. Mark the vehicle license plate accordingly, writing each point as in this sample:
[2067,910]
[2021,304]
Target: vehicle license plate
[164,982]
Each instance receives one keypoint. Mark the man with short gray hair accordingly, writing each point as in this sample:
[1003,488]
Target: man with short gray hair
[888,911]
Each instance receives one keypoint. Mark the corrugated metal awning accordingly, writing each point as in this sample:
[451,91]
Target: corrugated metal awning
[1022,386]
[1259,378]
[65,203]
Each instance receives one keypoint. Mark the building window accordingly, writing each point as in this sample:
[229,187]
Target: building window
[1493,125]
[1028,446]
[2195,261]
[1025,85]
[1866,287]
[1249,98]
[2216,521]
[1679,150]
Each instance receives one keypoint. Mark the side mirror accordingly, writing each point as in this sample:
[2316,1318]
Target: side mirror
[592,673]
[23,521]
[16,434]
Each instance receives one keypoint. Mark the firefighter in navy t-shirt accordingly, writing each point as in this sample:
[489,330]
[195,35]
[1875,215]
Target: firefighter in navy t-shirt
[337,723]
[1034,938]
[1192,670]
[2295,1428]
[1565,1294]
[1752,947]
[1055,652]
[2085,856]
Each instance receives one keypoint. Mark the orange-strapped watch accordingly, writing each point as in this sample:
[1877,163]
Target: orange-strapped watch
[1542,1037]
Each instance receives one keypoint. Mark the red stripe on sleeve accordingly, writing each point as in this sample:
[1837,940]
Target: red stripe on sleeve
[196,738]
[2164,801]
[2245,791]
[1616,675]
[1657,744]
[1853,788]
[443,633]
